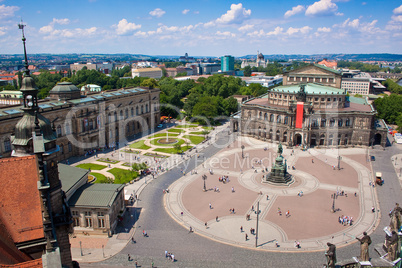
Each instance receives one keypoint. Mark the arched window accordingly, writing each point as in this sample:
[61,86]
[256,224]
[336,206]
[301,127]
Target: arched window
[340,122]
[323,122]
[136,110]
[278,119]
[314,123]
[286,120]
[61,148]
[115,116]
[109,117]
[132,111]
[266,117]
[70,147]
[271,118]
[7,145]
[126,113]
[68,130]
[332,122]
[347,123]
[146,108]
[260,115]
[58,131]
[142,109]
[121,115]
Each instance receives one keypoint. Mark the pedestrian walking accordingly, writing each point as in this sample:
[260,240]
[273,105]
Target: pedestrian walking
[210,206]
[241,229]
[267,197]
[246,237]
[287,213]
[206,225]
[216,218]
[128,257]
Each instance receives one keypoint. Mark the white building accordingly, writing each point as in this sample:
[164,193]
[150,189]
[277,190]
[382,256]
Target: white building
[265,81]
[360,83]
[147,72]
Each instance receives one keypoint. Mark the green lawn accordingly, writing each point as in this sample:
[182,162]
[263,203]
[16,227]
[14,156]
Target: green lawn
[107,160]
[91,166]
[155,142]
[172,150]
[177,130]
[199,133]
[130,151]
[123,176]
[100,178]
[186,126]
[208,128]
[156,155]
[139,145]
[194,139]
[164,135]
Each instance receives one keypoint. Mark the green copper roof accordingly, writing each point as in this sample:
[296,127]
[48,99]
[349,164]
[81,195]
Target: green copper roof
[310,89]
[95,195]
[69,176]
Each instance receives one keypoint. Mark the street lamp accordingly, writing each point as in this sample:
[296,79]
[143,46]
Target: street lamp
[81,249]
[339,162]
[333,203]
[103,250]
[204,177]
[242,154]
[256,227]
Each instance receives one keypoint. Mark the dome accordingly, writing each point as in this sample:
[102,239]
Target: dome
[64,87]
[28,84]
[65,91]
[25,127]
[260,56]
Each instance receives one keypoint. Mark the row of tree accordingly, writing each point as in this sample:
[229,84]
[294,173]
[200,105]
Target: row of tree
[392,86]
[365,67]
[389,108]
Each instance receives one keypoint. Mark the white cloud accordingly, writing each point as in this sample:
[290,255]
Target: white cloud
[246,27]
[225,34]
[237,14]
[157,12]
[124,27]
[322,8]
[324,29]
[278,30]
[398,10]
[295,10]
[259,33]
[303,30]
[185,11]
[46,29]
[196,12]
[364,3]
[7,11]
[397,18]
[60,21]
[2,31]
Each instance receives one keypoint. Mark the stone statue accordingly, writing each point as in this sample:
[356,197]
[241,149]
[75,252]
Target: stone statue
[365,241]
[395,218]
[392,246]
[280,149]
[331,255]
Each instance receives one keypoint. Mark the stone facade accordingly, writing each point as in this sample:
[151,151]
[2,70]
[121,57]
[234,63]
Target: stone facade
[313,74]
[330,118]
[98,120]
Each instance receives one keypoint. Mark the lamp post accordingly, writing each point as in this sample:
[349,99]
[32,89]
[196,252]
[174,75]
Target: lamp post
[339,162]
[256,227]
[103,250]
[242,153]
[333,203]
[81,249]
[204,177]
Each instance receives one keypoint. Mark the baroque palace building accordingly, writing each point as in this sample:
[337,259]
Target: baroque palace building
[310,109]
[95,121]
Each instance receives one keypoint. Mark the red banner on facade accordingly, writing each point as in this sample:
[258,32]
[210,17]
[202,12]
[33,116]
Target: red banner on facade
[299,114]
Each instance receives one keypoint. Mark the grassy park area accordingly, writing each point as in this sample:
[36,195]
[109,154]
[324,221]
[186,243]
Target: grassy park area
[194,139]
[123,176]
[100,178]
[139,145]
[91,166]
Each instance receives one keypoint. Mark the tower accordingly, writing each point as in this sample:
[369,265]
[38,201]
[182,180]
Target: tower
[34,135]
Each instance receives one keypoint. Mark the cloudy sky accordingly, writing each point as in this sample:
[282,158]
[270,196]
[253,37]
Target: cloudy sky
[202,27]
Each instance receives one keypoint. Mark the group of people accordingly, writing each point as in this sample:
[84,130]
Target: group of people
[345,220]
[169,256]
[223,179]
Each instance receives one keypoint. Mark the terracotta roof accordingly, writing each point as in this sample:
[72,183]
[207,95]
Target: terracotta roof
[329,64]
[28,264]
[20,205]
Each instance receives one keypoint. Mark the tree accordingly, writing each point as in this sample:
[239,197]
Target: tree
[230,105]
[247,71]
[150,82]
[177,147]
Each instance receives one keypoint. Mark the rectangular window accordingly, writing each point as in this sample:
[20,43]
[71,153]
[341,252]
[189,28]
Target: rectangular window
[76,221]
[101,222]
[100,214]
[74,213]
[88,222]
[88,213]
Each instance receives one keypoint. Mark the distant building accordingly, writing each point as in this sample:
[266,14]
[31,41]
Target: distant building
[265,81]
[91,88]
[227,63]
[147,72]
[104,67]
[186,58]
[209,68]
[259,62]
[144,64]
[10,97]
[329,64]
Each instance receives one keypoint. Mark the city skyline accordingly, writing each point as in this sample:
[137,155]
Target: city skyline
[203,28]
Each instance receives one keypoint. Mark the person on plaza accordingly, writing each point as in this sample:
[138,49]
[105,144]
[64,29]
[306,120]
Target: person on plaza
[279,212]
[210,206]
[144,233]
[128,257]
[216,218]
[267,197]
[297,244]
[206,225]
[241,229]
[331,255]
[365,241]
[287,213]
[246,237]
[172,256]
[233,190]
[191,229]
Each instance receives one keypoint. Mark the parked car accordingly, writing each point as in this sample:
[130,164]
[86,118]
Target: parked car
[372,157]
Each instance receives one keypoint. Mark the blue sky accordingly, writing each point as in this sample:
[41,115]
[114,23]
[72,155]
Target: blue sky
[202,27]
